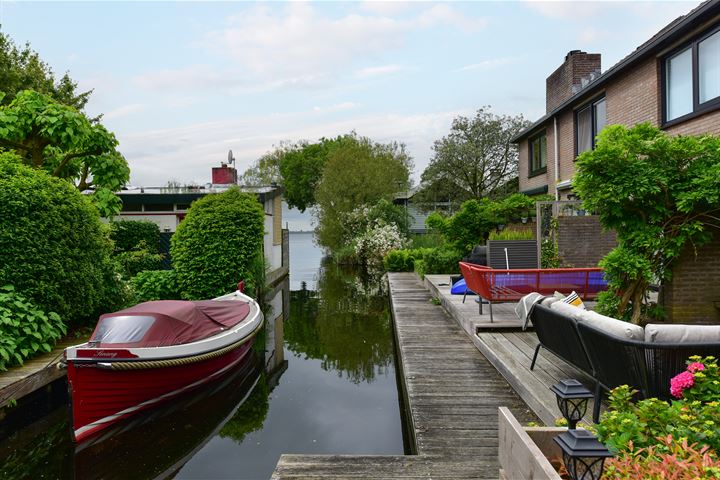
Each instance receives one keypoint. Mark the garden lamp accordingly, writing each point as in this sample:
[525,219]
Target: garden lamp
[572,399]
[583,455]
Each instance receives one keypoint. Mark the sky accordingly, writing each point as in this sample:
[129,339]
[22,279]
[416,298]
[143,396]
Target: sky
[181,83]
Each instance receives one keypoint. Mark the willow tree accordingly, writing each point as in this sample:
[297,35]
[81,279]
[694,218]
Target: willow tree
[62,141]
[660,194]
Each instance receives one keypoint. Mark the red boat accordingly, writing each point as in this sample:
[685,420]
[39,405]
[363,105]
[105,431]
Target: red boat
[141,356]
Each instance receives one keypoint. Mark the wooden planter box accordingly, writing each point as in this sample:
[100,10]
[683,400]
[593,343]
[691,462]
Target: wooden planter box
[524,451]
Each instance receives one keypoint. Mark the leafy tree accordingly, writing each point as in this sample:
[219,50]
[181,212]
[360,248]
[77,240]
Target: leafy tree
[302,169]
[660,194]
[62,141]
[356,172]
[476,159]
[53,248]
[266,169]
[217,244]
[22,69]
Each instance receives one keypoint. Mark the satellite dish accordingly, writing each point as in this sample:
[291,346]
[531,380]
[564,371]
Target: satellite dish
[231,159]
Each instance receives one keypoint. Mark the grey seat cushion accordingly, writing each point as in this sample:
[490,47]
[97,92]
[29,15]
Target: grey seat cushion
[661,333]
[567,309]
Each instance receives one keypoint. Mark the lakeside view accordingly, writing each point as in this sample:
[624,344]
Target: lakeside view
[370,239]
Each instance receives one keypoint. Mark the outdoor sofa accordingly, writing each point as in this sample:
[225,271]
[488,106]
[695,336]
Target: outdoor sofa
[511,285]
[614,352]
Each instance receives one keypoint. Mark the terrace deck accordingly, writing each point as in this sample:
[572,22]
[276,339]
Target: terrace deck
[510,350]
[452,392]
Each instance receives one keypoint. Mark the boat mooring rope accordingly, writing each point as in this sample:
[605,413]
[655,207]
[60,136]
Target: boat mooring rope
[181,361]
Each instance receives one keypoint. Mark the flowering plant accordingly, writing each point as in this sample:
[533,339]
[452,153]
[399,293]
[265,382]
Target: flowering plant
[372,246]
[700,381]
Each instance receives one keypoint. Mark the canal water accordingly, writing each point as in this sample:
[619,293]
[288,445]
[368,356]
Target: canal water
[322,380]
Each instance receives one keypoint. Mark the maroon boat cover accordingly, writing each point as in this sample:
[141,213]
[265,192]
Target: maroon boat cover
[168,322]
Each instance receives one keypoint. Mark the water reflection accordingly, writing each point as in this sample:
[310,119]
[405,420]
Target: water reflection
[345,324]
[321,381]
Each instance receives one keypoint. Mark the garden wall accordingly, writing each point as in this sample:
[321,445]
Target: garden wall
[582,243]
[693,294]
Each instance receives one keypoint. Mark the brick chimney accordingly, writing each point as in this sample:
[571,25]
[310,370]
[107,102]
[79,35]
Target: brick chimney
[567,80]
[224,175]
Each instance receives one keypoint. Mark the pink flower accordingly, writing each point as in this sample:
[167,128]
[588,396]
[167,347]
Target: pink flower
[680,382]
[695,367]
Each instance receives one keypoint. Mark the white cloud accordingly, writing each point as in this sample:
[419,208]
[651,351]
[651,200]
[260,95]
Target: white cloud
[387,8]
[338,107]
[567,10]
[379,71]
[489,64]
[124,111]
[443,14]
[188,153]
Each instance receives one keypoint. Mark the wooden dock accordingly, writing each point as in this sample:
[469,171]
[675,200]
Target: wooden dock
[452,392]
[510,350]
[34,374]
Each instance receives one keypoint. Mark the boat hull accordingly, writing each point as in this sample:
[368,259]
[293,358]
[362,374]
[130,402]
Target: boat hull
[102,396]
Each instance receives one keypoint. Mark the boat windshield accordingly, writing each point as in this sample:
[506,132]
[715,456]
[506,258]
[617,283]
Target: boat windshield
[123,329]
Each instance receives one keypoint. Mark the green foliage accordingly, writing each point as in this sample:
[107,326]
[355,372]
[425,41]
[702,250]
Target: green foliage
[53,247]
[22,69]
[266,169]
[214,247]
[420,268]
[138,260]
[426,240]
[549,253]
[58,139]
[476,219]
[250,416]
[156,285]
[356,172]
[670,459]
[302,167]
[628,425]
[25,330]
[129,234]
[510,234]
[441,260]
[346,324]
[659,193]
[476,159]
[403,260]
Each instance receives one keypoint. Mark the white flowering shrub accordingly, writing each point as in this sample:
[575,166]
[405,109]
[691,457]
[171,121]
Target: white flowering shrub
[372,246]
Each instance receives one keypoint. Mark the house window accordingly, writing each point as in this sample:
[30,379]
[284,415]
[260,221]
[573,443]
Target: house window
[589,121]
[538,154]
[692,78]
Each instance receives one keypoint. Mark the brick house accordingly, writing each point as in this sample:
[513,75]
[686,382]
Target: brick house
[672,81]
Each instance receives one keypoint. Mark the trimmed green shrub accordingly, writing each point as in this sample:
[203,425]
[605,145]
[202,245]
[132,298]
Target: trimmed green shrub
[53,247]
[420,268]
[138,259]
[509,234]
[216,244]
[156,285]
[25,330]
[441,260]
[129,235]
[403,260]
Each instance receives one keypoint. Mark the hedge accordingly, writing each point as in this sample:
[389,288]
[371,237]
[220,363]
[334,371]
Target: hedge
[217,244]
[130,234]
[404,260]
[156,285]
[53,247]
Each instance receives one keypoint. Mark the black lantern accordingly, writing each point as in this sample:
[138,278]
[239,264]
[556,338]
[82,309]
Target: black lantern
[583,455]
[572,398]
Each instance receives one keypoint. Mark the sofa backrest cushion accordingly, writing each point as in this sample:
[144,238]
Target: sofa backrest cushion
[660,333]
[567,309]
[608,325]
[548,301]
[613,326]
